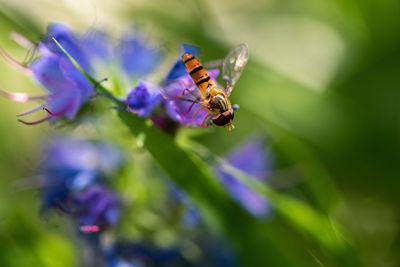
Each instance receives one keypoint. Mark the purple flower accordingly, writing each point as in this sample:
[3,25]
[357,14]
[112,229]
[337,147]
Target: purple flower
[143,99]
[181,101]
[137,57]
[67,89]
[71,167]
[95,208]
[251,159]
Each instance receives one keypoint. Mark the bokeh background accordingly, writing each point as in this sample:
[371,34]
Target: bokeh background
[322,85]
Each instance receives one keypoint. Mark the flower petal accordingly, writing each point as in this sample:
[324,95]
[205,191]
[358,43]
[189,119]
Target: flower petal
[77,80]
[143,99]
[97,45]
[65,103]
[48,73]
[69,87]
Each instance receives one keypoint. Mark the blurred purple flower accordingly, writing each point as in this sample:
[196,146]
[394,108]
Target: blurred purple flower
[143,99]
[97,45]
[95,208]
[137,57]
[214,254]
[252,159]
[72,171]
[81,155]
[191,216]
[145,255]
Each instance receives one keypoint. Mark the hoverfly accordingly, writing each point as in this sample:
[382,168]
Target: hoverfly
[213,98]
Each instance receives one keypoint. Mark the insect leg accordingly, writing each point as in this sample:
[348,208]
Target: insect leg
[190,108]
[191,93]
[183,99]
[206,121]
[195,113]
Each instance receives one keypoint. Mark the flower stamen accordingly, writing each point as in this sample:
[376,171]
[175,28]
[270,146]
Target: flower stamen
[21,97]
[59,113]
[35,122]
[48,111]
[30,111]
[50,115]
[13,62]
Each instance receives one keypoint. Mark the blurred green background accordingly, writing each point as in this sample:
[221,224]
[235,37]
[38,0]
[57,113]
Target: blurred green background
[322,84]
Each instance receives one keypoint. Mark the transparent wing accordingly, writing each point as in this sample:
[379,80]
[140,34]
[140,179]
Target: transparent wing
[233,65]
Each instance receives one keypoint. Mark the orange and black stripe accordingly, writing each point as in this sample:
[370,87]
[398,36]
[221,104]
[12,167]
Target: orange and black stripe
[197,72]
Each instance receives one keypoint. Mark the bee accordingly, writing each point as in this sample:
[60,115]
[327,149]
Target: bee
[213,98]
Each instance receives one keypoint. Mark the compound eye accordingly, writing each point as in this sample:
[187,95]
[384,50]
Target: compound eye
[224,118]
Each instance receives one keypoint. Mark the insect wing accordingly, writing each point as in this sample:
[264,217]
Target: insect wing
[234,64]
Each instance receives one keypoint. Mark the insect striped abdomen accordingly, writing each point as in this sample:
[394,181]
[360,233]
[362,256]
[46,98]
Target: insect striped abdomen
[197,72]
